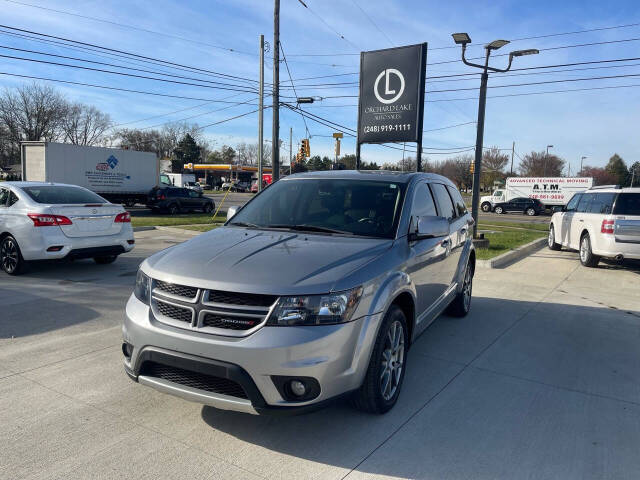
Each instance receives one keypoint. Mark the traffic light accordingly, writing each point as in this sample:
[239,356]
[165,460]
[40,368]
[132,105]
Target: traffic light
[305,148]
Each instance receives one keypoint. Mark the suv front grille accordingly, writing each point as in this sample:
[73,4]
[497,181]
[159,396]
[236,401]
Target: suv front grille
[246,299]
[174,312]
[188,378]
[175,289]
[229,321]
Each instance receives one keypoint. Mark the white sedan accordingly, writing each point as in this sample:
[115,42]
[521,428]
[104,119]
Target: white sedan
[42,221]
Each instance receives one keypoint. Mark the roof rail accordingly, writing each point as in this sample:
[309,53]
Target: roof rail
[600,187]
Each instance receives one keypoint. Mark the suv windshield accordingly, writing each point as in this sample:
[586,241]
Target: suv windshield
[58,194]
[369,208]
[627,204]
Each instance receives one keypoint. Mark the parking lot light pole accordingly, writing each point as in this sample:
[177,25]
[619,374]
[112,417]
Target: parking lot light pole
[581,160]
[463,39]
[546,158]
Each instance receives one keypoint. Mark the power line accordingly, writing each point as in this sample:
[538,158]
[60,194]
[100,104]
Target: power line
[116,66]
[132,27]
[384,34]
[59,64]
[447,127]
[127,53]
[327,25]
[107,87]
[284,57]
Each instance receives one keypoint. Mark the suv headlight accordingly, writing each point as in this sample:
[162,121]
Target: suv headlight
[326,309]
[142,288]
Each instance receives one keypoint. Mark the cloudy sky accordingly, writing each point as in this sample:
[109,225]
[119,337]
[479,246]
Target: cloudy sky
[204,39]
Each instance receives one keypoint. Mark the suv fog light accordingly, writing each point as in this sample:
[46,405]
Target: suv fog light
[297,388]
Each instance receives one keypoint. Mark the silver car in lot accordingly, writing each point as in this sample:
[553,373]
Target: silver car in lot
[313,290]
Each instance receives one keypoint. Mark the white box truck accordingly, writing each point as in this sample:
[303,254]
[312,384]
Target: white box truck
[550,191]
[120,176]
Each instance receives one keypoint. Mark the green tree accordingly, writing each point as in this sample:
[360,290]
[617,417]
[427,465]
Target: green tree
[187,151]
[618,169]
[634,172]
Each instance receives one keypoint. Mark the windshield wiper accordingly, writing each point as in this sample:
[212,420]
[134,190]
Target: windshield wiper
[245,224]
[309,228]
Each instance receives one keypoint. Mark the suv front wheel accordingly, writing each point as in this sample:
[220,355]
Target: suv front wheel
[587,258]
[383,380]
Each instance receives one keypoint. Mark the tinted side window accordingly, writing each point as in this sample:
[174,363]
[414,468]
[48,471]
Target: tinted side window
[193,194]
[628,204]
[13,198]
[4,195]
[423,204]
[585,202]
[445,205]
[461,208]
[573,203]
[602,203]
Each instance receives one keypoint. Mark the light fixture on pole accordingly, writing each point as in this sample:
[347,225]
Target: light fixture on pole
[546,157]
[581,160]
[463,39]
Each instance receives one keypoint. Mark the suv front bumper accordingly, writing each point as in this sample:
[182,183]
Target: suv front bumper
[336,356]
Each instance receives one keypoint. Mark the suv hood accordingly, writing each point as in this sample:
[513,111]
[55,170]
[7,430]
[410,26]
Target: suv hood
[264,261]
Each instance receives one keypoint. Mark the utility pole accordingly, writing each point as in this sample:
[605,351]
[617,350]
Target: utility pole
[463,39]
[581,160]
[261,115]
[513,151]
[546,158]
[290,149]
[275,131]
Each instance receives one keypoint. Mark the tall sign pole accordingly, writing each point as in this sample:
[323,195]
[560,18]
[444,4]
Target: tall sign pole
[391,100]
[261,115]
[290,149]
[275,130]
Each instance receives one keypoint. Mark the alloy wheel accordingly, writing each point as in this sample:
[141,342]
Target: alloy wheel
[584,249]
[551,238]
[9,255]
[467,288]
[531,212]
[392,361]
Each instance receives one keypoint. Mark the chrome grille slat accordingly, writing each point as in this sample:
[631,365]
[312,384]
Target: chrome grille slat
[216,312]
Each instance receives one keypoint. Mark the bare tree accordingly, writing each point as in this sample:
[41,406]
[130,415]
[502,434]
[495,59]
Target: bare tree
[32,112]
[85,125]
[493,163]
[539,164]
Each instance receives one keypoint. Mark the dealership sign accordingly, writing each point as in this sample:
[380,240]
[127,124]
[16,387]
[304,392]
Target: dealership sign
[391,101]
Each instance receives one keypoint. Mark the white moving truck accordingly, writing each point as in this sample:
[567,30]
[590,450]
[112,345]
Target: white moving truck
[550,191]
[120,176]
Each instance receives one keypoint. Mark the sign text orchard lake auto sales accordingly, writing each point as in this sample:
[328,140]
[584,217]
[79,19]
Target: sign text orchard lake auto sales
[391,101]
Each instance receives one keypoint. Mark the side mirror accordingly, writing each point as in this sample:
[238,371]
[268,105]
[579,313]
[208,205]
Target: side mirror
[430,227]
[559,208]
[231,211]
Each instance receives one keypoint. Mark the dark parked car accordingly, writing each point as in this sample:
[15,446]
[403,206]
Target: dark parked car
[528,206]
[175,199]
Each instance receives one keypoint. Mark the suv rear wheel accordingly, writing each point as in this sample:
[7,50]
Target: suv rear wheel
[587,258]
[173,209]
[383,380]
[499,210]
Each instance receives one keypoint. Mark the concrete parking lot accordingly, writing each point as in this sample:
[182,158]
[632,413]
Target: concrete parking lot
[540,381]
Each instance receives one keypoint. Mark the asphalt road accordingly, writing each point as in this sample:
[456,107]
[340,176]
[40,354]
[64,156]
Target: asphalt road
[541,380]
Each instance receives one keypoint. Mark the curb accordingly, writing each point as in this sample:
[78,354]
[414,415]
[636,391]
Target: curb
[193,233]
[513,256]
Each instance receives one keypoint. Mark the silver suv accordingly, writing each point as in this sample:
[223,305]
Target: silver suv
[314,289]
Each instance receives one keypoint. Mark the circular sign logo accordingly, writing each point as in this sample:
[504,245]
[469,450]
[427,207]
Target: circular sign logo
[387,91]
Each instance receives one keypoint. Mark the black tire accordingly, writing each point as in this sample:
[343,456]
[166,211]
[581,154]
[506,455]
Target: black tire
[130,203]
[372,397]
[106,260]
[498,210]
[173,209]
[461,304]
[531,212]
[485,207]
[587,258]
[11,259]
[551,240]
[208,208]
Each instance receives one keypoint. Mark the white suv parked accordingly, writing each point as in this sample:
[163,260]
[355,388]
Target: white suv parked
[600,222]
